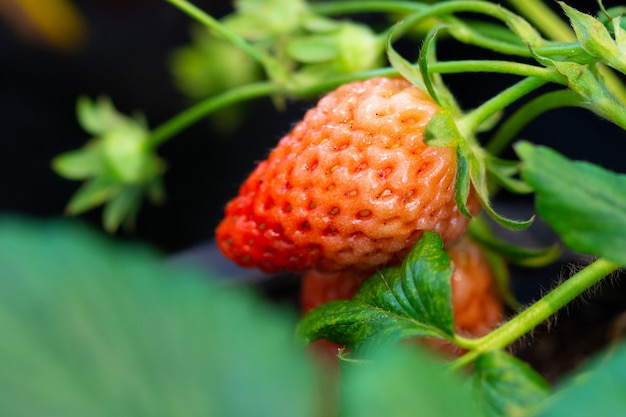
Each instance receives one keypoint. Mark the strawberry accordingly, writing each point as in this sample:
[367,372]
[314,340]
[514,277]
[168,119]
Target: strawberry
[477,304]
[353,185]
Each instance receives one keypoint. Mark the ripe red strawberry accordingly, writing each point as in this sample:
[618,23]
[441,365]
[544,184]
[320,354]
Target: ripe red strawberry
[353,185]
[477,304]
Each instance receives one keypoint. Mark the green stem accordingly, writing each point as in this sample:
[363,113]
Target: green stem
[209,105]
[471,121]
[504,67]
[458,6]
[544,19]
[527,113]
[537,313]
[347,7]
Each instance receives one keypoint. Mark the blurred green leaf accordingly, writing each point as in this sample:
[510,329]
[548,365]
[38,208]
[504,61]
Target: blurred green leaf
[506,386]
[393,304]
[596,389]
[584,203]
[91,328]
[404,383]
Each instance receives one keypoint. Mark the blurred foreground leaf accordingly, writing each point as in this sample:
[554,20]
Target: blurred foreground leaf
[597,389]
[94,329]
[405,383]
[507,386]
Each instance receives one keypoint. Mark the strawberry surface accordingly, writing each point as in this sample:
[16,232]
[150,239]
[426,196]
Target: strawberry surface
[353,185]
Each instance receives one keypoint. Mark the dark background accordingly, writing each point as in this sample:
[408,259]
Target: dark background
[126,57]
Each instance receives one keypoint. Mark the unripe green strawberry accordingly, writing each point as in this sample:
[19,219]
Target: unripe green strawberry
[353,185]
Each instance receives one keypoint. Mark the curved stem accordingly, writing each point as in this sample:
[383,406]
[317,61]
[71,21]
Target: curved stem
[537,313]
[504,67]
[544,19]
[206,107]
[347,7]
[525,114]
[472,120]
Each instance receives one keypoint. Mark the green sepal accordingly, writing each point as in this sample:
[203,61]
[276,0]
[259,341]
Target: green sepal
[122,209]
[442,130]
[87,162]
[478,173]
[404,67]
[505,172]
[462,183]
[413,300]
[96,117]
[583,202]
[92,194]
[428,52]
[522,28]
[522,256]
[505,386]
[596,39]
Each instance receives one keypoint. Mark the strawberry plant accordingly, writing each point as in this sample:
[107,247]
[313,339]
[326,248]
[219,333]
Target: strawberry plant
[382,197]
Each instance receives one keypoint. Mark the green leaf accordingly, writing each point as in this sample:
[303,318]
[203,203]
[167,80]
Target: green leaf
[584,203]
[404,383]
[393,304]
[597,389]
[506,386]
[93,328]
